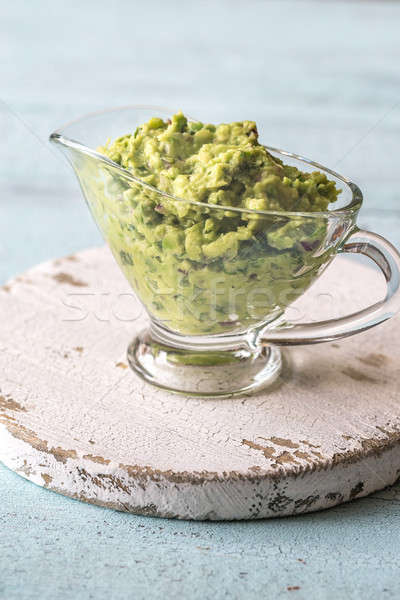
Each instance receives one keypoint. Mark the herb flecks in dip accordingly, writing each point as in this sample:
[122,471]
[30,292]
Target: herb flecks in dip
[200,269]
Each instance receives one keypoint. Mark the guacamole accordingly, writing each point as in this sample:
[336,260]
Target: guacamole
[200,269]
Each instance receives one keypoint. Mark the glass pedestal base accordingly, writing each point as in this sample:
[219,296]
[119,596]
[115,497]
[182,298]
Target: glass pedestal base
[209,371]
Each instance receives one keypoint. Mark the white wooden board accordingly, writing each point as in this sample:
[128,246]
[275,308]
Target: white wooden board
[76,420]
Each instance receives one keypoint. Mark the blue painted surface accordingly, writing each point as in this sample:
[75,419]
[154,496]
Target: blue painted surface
[53,547]
[323,80]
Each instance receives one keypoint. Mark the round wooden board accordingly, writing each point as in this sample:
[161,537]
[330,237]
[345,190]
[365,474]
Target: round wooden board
[76,420]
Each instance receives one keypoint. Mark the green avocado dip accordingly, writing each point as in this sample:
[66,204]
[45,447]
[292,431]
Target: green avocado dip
[200,264]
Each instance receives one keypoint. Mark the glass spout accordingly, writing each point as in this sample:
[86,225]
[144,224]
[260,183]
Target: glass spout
[70,149]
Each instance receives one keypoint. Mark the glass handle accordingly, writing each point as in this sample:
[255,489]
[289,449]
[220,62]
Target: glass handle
[385,255]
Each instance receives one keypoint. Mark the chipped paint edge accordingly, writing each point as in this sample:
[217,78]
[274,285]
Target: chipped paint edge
[109,485]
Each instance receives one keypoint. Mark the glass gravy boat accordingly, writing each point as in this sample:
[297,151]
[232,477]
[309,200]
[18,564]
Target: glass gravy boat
[216,310]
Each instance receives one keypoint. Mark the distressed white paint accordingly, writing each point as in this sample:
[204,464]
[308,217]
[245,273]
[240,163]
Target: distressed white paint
[74,419]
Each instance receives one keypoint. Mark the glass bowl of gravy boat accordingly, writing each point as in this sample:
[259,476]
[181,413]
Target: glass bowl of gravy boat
[216,313]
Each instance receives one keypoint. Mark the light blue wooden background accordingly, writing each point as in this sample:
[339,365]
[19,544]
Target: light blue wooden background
[322,79]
